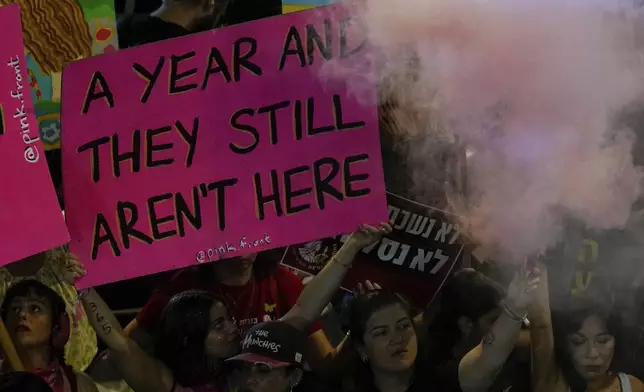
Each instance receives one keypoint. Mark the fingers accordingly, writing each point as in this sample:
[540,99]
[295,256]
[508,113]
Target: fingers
[370,230]
[367,286]
[78,270]
[384,227]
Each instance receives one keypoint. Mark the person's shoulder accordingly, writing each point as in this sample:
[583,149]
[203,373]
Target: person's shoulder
[285,277]
[636,384]
[85,383]
[284,272]
[130,22]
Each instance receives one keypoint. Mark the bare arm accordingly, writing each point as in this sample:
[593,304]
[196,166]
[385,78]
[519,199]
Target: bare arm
[546,376]
[318,293]
[142,372]
[85,383]
[329,361]
[140,335]
[479,368]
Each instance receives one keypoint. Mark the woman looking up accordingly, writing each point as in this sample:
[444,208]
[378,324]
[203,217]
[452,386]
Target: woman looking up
[50,268]
[39,327]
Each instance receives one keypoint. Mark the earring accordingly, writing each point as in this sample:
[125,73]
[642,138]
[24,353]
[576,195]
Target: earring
[365,359]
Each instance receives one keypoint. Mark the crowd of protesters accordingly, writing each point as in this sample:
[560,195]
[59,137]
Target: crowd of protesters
[248,324]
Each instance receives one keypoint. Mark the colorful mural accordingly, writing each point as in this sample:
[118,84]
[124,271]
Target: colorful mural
[57,32]
[299,5]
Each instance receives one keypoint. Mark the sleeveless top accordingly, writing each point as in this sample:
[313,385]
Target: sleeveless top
[624,383]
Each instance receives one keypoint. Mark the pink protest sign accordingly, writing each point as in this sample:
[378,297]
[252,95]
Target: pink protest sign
[30,218]
[218,144]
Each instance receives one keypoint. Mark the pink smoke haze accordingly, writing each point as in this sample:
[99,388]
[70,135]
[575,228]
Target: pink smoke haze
[534,88]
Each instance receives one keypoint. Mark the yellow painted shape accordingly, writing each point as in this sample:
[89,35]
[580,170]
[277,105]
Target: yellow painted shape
[288,8]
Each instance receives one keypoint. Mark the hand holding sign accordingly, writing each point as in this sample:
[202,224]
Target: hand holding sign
[72,268]
[369,235]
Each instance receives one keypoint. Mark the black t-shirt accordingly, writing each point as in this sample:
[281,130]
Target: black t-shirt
[425,380]
[135,30]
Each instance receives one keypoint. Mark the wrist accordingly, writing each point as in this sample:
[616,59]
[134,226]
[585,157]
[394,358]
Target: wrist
[514,312]
[83,292]
[345,262]
[352,244]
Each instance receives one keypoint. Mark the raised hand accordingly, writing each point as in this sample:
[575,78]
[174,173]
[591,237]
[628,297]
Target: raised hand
[72,269]
[366,287]
[522,290]
[369,235]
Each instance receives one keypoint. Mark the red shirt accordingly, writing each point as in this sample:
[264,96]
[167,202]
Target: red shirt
[260,300]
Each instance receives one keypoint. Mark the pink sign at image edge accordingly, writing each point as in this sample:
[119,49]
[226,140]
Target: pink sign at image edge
[31,220]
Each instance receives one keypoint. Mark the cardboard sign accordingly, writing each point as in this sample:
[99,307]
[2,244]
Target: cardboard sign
[414,260]
[218,144]
[30,217]
[55,34]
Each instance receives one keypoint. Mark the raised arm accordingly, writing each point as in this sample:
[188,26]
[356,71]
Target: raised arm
[318,293]
[480,367]
[546,376]
[142,372]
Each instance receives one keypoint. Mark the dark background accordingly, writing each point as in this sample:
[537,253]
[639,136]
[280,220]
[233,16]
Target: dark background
[239,11]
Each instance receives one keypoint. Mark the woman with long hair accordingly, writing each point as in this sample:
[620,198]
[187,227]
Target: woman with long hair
[470,303]
[574,349]
[39,326]
[395,357]
[203,333]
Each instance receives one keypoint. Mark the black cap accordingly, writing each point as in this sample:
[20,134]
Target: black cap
[275,343]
